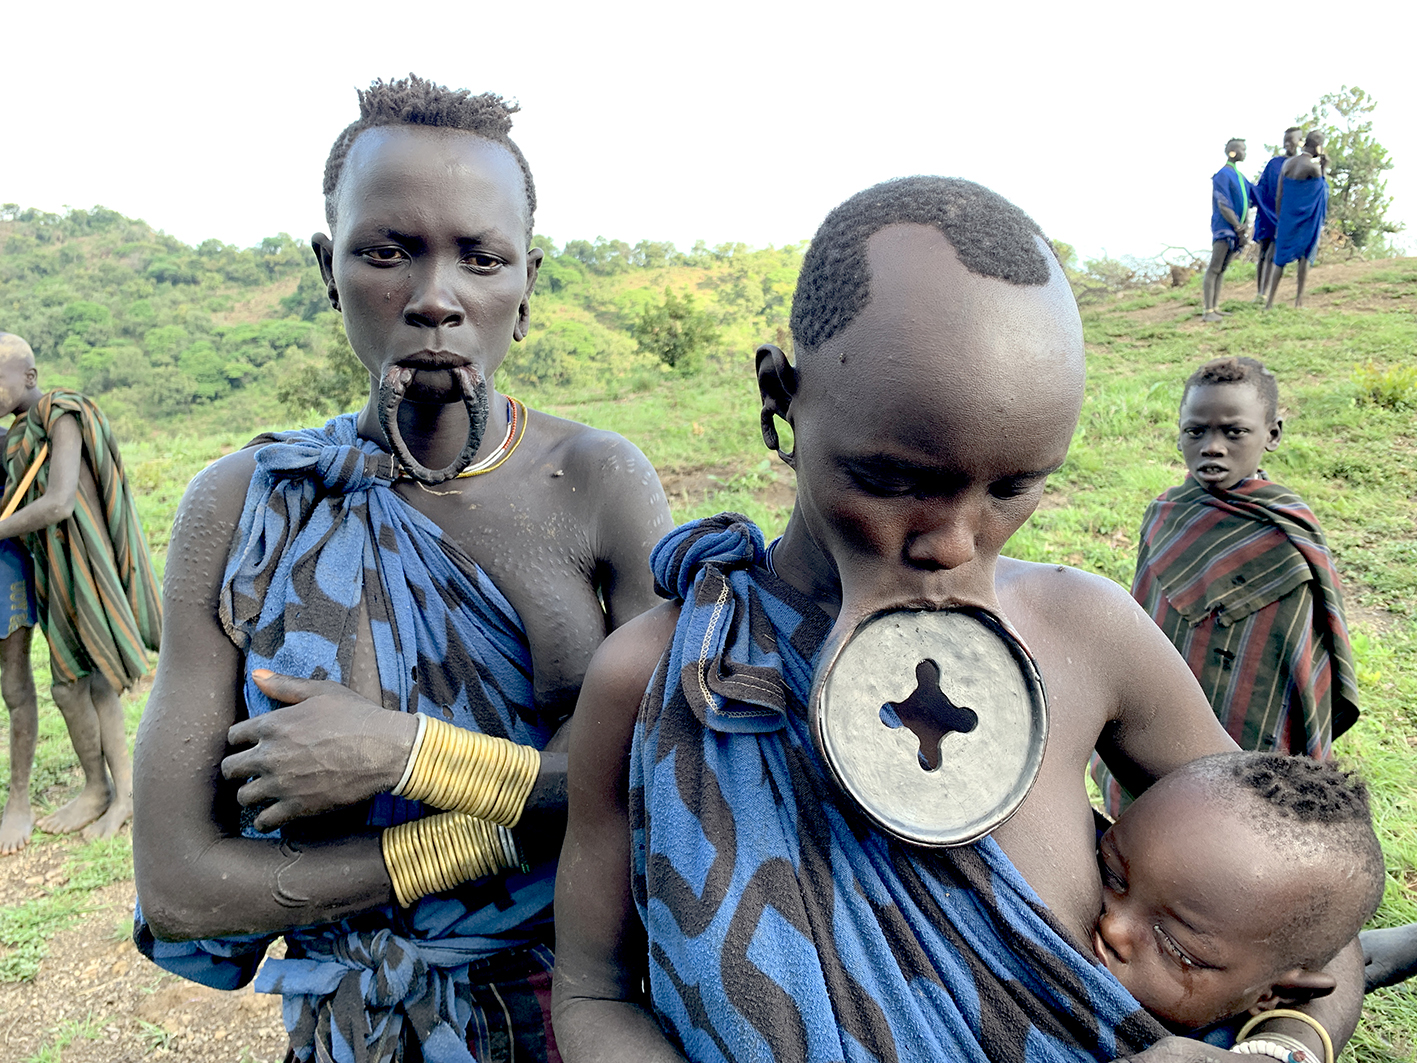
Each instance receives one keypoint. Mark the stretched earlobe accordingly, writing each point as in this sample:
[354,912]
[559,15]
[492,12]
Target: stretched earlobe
[777,384]
[770,440]
[523,325]
[533,269]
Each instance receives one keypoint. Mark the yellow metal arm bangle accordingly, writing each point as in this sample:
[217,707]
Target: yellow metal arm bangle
[464,771]
[438,853]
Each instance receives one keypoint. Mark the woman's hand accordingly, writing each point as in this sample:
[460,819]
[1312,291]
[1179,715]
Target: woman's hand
[329,748]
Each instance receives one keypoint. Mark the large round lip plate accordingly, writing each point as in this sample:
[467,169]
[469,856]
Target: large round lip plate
[983,775]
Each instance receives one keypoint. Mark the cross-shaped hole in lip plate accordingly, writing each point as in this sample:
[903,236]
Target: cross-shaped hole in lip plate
[929,713]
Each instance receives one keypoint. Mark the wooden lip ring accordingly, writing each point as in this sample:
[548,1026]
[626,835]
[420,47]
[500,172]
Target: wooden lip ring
[474,397]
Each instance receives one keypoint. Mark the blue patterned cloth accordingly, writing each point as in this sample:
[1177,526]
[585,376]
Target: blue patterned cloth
[322,531]
[780,925]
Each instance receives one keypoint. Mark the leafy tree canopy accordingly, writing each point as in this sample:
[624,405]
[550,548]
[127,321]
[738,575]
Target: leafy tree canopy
[1357,199]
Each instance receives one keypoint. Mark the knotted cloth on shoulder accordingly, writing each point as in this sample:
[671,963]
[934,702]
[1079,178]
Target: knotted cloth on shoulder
[98,599]
[324,547]
[780,925]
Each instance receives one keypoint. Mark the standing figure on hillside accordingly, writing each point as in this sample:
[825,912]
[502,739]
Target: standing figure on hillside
[1235,570]
[1266,216]
[1230,198]
[1301,205]
[17,619]
[97,598]
[432,576]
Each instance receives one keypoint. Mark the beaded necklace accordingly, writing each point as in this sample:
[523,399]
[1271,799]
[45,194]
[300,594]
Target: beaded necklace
[516,428]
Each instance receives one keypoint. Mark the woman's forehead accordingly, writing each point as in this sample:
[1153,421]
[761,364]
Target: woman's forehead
[391,163]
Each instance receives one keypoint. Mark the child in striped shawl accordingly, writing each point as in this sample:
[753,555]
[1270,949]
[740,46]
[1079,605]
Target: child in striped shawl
[1235,570]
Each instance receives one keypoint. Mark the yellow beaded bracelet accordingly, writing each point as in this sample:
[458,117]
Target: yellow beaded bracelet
[464,771]
[440,852]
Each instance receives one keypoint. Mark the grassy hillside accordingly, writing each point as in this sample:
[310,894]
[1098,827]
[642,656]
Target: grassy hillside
[1348,380]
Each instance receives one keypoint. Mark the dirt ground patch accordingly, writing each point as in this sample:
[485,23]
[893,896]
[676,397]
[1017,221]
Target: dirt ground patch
[96,999]
[1344,285]
[685,488]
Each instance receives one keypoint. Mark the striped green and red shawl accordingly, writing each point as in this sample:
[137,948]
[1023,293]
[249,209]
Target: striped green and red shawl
[1244,587]
[99,602]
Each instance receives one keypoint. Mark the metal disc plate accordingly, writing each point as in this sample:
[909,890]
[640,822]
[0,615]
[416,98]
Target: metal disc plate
[955,680]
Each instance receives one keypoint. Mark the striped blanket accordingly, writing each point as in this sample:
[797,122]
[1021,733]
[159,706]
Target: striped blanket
[780,925]
[1244,587]
[321,532]
[98,599]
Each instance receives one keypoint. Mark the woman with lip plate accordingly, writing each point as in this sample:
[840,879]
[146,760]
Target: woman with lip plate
[1235,570]
[378,627]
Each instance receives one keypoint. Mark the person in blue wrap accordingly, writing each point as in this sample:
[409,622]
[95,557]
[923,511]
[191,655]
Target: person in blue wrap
[1231,194]
[719,899]
[1266,190]
[1301,205]
[433,572]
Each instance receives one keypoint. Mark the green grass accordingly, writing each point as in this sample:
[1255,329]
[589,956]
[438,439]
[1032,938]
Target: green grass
[65,1034]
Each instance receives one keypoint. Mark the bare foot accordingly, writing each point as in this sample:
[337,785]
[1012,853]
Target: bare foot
[80,812]
[1211,315]
[111,822]
[16,828]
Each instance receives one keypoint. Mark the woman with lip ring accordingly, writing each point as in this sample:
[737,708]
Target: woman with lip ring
[445,553]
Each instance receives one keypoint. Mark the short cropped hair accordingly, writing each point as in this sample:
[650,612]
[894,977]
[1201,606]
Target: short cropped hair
[992,237]
[418,102]
[1315,813]
[1314,140]
[1238,370]
[1232,142]
[1294,129]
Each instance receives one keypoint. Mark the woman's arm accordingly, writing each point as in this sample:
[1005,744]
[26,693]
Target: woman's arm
[599,1007]
[197,876]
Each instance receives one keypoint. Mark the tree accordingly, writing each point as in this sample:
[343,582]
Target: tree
[1357,205]
[335,385]
[676,332]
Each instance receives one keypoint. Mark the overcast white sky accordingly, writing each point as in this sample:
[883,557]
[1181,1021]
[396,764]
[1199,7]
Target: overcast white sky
[717,121]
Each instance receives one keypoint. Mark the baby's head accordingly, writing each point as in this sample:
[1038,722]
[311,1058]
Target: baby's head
[1231,883]
[1229,421]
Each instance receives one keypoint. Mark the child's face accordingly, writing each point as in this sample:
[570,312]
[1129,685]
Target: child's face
[926,429]
[1225,432]
[429,254]
[1194,915]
